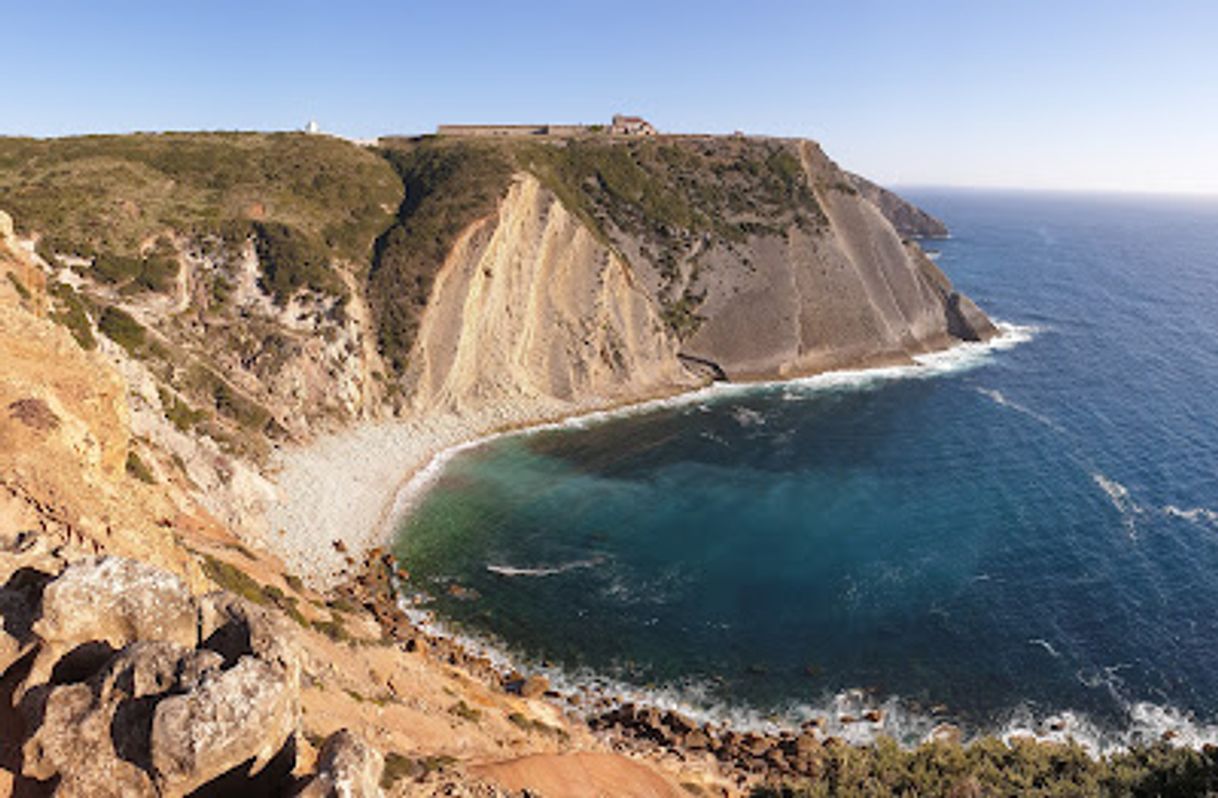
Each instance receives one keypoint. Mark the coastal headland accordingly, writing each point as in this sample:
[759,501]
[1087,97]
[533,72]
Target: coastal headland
[227,356]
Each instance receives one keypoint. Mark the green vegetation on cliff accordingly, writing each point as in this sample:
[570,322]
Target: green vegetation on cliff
[658,203]
[990,767]
[107,197]
[446,189]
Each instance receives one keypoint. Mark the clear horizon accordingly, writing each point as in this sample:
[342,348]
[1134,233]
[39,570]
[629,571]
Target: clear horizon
[1087,96]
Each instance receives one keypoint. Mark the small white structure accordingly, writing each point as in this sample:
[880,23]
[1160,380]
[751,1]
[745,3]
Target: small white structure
[312,128]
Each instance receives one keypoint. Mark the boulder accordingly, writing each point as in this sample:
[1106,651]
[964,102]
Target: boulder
[19,598]
[112,601]
[234,627]
[241,714]
[126,704]
[347,767]
[93,735]
[534,686]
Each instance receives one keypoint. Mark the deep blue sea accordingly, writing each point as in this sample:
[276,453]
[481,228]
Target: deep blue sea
[1022,537]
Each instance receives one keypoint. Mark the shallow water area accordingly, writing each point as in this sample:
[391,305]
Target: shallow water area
[1020,535]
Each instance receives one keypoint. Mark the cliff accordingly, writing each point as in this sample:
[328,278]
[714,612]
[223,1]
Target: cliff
[223,354]
[907,219]
[258,292]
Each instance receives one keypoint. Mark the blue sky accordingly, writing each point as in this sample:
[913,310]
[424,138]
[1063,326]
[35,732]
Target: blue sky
[1086,95]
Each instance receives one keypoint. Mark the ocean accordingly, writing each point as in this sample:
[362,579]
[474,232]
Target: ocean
[1013,538]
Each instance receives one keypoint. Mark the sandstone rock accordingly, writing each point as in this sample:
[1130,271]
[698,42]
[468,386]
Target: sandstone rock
[534,686]
[945,733]
[245,713]
[114,601]
[234,627]
[346,768]
[93,735]
[35,414]
[244,705]
[806,744]
[19,599]
[27,549]
[6,228]
[678,722]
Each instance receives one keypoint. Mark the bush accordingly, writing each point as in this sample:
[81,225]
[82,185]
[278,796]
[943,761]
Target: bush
[292,259]
[120,327]
[70,312]
[136,468]
[18,286]
[112,193]
[179,413]
[231,578]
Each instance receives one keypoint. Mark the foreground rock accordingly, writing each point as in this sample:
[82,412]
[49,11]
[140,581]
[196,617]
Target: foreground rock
[346,768]
[139,688]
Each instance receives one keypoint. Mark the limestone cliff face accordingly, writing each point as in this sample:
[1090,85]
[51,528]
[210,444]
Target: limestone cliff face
[908,219]
[529,306]
[850,293]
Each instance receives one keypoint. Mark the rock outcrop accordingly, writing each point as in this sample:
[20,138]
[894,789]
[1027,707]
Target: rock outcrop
[139,688]
[347,767]
[907,219]
[531,307]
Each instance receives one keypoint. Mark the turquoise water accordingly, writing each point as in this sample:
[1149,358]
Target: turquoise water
[1023,537]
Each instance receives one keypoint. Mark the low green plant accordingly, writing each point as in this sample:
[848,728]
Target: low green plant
[18,286]
[180,414]
[121,327]
[138,469]
[70,311]
[291,259]
[233,579]
[466,712]
[333,629]
[992,767]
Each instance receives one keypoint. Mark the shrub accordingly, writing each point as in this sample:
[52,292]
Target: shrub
[448,185]
[231,578]
[71,314]
[179,413]
[18,286]
[120,327]
[466,712]
[136,468]
[292,259]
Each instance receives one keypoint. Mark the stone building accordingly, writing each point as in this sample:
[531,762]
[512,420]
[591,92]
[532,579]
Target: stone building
[631,126]
[621,126]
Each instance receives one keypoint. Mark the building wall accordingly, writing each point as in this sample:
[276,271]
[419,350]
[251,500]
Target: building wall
[492,130]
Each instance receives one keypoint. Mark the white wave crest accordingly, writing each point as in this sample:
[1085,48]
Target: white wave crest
[545,570]
[1046,645]
[1196,515]
[1118,494]
[961,357]
[747,417]
[857,716]
[1000,399]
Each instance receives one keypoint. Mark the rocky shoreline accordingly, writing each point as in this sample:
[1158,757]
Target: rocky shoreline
[743,756]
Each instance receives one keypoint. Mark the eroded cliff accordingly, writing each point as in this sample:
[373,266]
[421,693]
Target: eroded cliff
[261,292]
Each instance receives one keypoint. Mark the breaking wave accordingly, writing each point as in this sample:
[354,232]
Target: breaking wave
[858,716]
[545,570]
[1196,515]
